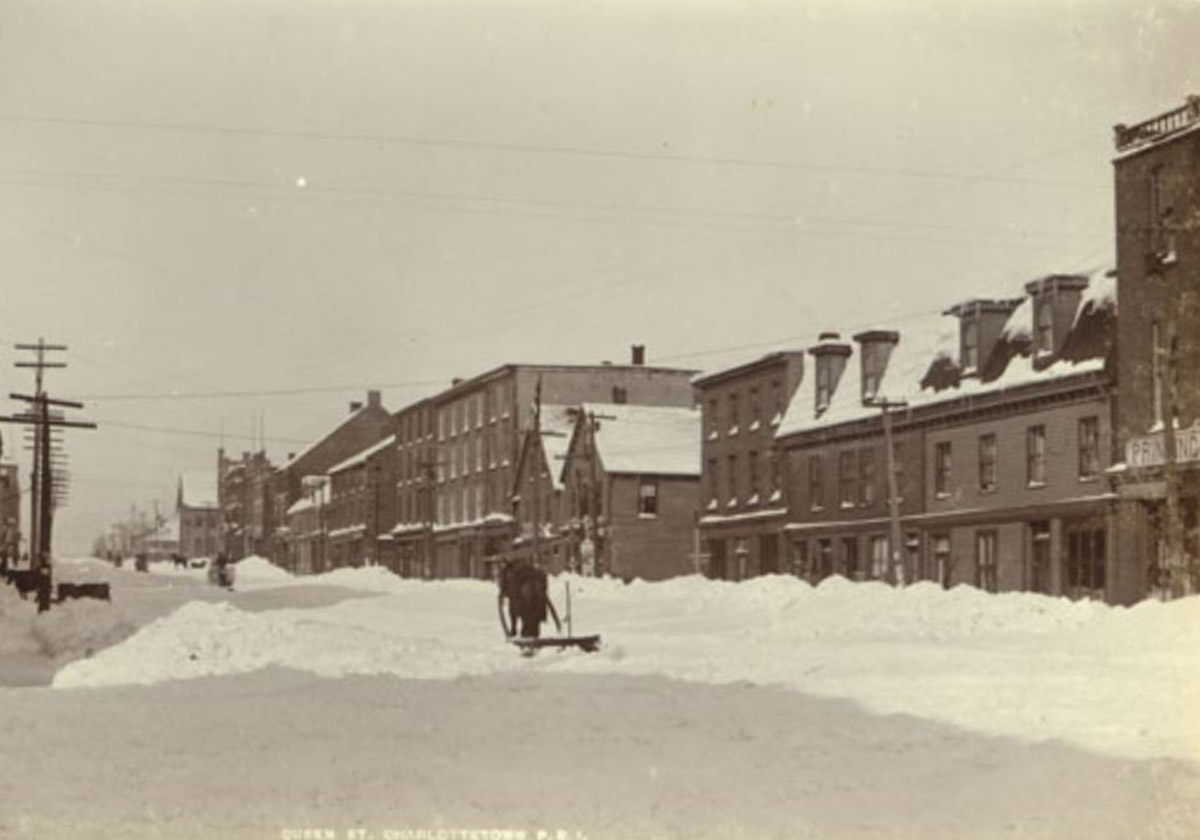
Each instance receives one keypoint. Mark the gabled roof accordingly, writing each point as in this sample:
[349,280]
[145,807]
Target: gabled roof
[647,440]
[360,458]
[198,489]
[557,421]
[923,368]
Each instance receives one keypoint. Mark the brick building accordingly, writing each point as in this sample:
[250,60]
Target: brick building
[479,425]
[244,488]
[365,425]
[1030,377]
[307,529]
[631,484]
[362,505]
[1157,186]
[199,515]
[410,552]
[743,510]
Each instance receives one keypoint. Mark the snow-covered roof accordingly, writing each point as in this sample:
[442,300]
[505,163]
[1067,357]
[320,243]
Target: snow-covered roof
[199,489]
[647,440]
[350,418]
[360,458]
[935,340]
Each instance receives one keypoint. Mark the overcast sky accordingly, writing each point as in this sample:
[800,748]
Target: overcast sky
[207,196]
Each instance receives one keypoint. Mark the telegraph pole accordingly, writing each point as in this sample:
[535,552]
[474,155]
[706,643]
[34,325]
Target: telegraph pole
[897,564]
[537,475]
[1179,574]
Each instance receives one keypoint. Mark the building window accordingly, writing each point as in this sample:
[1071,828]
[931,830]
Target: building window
[1035,455]
[713,485]
[816,483]
[1085,562]
[985,560]
[734,418]
[777,405]
[866,477]
[620,396]
[752,461]
[879,558]
[1089,447]
[1044,328]
[970,348]
[712,421]
[941,469]
[648,497]
[731,480]
[775,477]
[755,409]
[847,492]
[987,463]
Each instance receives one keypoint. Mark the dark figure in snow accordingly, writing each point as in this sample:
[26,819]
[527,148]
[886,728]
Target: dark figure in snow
[524,586]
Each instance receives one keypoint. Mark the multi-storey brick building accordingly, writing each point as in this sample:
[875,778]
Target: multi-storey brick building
[307,529]
[1029,376]
[479,425]
[743,511]
[1157,174]
[631,486]
[245,496]
[199,515]
[365,425]
[362,505]
[410,551]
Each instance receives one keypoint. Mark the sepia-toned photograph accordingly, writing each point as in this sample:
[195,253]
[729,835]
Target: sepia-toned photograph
[600,419]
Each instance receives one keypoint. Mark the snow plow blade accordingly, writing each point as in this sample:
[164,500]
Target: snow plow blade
[588,644]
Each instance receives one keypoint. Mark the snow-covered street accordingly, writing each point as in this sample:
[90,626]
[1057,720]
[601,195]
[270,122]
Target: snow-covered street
[762,709]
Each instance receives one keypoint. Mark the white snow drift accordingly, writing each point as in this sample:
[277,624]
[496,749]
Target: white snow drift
[1123,681]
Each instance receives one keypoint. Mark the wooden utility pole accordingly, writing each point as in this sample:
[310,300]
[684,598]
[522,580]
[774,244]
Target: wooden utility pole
[896,570]
[42,501]
[537,474]
[1179,573]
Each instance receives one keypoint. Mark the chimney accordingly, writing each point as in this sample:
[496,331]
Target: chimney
[456,381]
[980,322]
[374,399]
[830,354]
[639,354]
[875,349]
[291,456]
[1055,299]
[355,406]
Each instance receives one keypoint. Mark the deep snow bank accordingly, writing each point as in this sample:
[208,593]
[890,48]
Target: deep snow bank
[1115,679]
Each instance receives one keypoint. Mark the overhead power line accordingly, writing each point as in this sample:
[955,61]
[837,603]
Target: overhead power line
[522,148]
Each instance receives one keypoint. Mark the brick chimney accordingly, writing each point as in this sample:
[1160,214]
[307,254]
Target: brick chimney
[1055,299]
[355,406]
[639,354]
[374,399]
[980,322]
[875,349]
[830,353]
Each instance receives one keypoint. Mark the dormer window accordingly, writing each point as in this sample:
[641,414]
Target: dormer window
[824,386]
[970,346]
[1044,328]
[875,350]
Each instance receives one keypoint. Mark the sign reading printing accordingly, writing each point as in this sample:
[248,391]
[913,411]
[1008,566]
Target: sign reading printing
[1151,450]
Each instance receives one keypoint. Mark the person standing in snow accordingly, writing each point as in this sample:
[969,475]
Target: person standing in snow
[525,588]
